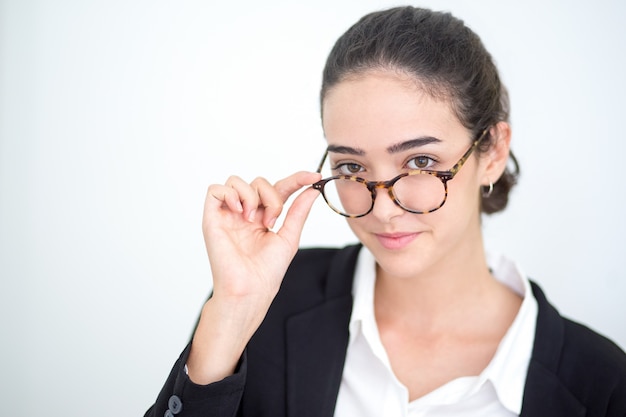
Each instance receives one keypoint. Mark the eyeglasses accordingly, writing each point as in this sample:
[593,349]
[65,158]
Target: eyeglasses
[417,191]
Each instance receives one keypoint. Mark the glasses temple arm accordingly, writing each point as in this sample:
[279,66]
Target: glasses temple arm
[321,164]
[464,158]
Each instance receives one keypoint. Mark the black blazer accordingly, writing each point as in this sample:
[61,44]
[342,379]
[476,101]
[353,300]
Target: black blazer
[292,366]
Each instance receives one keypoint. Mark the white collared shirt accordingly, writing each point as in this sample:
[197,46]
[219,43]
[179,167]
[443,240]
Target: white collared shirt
[369,388]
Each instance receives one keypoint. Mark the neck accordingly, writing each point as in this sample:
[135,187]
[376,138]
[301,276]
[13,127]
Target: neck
[443,293]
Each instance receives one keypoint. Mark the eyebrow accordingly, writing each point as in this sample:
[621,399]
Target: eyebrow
[395,148]
[348,150]
[412,143]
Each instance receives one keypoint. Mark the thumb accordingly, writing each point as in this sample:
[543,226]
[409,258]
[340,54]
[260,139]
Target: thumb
[297,215]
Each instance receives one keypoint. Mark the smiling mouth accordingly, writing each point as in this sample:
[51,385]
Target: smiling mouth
[395,241]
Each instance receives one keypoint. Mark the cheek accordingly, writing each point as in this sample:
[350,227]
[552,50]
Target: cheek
[356,224]
[461,211]
[464,191]
[463,196]
[363,227]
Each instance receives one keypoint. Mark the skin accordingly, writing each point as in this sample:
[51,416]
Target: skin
[439,311]
[236,225]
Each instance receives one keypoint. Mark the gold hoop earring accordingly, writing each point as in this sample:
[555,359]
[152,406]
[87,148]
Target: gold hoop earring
[487,191]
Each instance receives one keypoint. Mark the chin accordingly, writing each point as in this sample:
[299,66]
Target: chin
[403,264]
[398,271]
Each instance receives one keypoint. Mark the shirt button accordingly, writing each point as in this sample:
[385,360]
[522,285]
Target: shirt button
[175,404]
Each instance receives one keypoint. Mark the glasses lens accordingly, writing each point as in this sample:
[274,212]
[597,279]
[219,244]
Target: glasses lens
[420,192]
[348,197]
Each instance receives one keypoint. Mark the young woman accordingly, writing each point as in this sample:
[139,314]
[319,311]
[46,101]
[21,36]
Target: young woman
[414,320]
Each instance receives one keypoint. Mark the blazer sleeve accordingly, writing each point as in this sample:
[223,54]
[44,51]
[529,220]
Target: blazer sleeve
[180,397]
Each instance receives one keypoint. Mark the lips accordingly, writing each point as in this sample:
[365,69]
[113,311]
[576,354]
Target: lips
[395,241]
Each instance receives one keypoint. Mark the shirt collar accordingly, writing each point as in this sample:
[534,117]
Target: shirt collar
[363,291]
[508,368]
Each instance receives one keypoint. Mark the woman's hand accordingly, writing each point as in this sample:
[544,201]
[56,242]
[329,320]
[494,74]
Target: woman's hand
[248,259]
[248,262]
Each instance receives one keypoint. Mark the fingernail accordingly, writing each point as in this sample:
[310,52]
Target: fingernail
[251,215]
[271,223]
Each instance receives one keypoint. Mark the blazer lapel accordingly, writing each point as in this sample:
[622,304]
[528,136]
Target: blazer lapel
[544,394]
[316,350]
[317,340]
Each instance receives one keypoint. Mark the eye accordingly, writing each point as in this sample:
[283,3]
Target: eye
[421,162]
[347,168]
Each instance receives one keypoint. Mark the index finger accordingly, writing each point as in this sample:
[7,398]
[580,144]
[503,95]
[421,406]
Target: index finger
[287,186]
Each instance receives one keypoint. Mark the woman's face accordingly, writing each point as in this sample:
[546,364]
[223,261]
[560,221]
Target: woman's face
[371,122]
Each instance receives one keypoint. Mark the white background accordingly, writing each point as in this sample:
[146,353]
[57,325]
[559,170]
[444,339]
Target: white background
[116,115]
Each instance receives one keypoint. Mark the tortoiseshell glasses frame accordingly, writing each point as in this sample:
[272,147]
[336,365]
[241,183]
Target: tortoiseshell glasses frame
[373,186]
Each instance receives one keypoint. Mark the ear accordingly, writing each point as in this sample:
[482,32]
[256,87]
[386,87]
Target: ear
[494,161]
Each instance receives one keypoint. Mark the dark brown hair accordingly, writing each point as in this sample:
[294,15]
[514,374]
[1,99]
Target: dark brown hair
[445,57]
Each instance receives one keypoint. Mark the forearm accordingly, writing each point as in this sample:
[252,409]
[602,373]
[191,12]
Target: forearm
[224,329]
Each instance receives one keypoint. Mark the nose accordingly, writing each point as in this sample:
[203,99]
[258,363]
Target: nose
[384,206]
